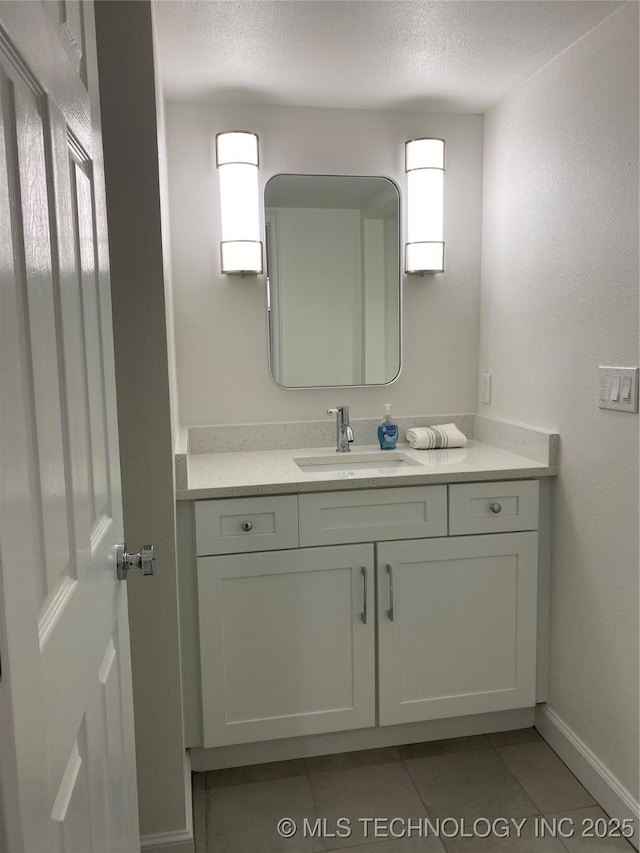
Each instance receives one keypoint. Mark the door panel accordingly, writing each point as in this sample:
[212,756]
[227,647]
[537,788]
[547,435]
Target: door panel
[94,378]
[71,807]
[27,149]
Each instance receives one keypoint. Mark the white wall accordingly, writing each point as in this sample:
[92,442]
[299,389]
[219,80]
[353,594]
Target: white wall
[143,381]
[560,297]
[221,334]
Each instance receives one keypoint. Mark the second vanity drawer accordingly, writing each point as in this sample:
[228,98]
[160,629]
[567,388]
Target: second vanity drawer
[238,525]
[493,507]
[332,518]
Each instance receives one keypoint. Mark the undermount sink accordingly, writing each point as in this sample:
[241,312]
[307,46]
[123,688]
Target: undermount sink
[383,461]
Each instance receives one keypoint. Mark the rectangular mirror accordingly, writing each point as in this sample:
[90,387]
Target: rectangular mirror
[333,279]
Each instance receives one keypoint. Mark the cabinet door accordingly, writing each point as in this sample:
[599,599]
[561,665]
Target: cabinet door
[287,643]
[457,626]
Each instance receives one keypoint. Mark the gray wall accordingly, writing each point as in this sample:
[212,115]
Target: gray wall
[560,297]
[126,67]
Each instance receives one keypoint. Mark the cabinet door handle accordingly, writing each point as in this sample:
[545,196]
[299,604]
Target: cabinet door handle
[363,615]
[495,508]
[390,610]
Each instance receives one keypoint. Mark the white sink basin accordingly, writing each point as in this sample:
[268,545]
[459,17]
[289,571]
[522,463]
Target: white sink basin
[383,461]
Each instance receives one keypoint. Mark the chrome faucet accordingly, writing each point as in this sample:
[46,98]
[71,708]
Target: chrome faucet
[344,433]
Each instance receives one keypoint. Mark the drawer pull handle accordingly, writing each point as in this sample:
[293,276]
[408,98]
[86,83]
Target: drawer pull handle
[390,610]
[495,508]
[363,615]
[247,526]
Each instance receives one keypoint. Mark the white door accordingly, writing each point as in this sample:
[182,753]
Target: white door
[456,626]
[67,751]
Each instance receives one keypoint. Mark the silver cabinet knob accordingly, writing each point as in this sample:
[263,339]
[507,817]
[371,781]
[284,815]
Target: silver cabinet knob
[495,507]
[246,526]
[142,560]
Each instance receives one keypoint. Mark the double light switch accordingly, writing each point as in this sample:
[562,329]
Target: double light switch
[619,388]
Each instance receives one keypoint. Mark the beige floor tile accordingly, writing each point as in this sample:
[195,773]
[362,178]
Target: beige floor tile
[544,777]
[379,790]
[442,747]
[399,845]
[200,820]
[513,736]
[580,826]
[254,773]
[469,784]
[520,839]
[344,760]
[244,818]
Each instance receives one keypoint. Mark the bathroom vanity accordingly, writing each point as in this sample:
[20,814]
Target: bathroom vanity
[326,598]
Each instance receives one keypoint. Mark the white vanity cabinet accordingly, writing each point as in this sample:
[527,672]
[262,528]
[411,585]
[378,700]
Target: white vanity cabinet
[433,613]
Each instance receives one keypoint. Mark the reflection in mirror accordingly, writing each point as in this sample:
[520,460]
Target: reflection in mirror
[333,266]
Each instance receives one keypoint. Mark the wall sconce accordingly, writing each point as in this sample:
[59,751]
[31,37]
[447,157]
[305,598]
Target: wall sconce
[237,162]
[424,165]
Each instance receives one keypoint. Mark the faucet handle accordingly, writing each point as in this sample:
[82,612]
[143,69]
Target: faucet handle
[332,411]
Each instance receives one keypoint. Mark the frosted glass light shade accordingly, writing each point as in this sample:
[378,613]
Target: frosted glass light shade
[424,257]
[241,256]
[237,161]
[237,146]
[424,154]
[424,164]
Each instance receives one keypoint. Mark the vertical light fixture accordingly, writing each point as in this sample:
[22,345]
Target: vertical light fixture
[424,165]
[237,162]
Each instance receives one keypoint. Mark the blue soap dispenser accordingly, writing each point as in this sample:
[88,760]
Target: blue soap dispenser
[388,430]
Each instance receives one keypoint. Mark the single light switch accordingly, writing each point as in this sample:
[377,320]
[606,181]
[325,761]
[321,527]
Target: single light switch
[618,388]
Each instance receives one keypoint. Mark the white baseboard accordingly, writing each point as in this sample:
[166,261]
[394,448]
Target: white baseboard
[168,842]
[182,840]
[603,786]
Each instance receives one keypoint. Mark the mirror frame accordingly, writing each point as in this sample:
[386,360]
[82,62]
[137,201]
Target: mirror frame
[268,285]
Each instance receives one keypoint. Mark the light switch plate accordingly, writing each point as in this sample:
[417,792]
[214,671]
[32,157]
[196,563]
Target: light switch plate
[485,388]
[618,388]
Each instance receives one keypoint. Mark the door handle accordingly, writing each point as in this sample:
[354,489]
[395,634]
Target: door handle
[390,575]
[363,615]
[142,560]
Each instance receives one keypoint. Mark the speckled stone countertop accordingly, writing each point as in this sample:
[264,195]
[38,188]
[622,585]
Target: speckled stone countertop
[271,472]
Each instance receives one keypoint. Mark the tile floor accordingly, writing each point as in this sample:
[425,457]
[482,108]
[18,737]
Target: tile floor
[508,780]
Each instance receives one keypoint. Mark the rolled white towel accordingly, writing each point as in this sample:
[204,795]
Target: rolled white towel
[436,437]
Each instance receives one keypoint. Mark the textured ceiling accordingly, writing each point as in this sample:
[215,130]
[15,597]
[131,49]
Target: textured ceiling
[435,55]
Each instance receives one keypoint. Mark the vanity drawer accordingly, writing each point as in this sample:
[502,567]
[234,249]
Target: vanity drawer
[332,518]
[246,524]
[493,507]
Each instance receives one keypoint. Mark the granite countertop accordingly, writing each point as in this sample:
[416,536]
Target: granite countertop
[272,472]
